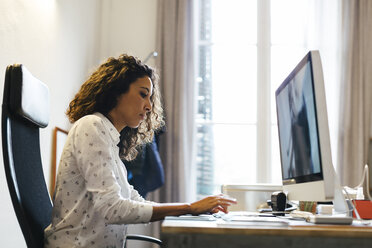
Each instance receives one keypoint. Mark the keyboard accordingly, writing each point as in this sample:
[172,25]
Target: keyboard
[252,219]
[203,217]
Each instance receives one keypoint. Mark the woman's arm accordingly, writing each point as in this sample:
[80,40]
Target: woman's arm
[210,204]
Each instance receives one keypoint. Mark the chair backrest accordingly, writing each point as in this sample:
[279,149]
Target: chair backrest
[26,109]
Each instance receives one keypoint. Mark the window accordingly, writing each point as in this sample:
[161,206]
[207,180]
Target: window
[245,49]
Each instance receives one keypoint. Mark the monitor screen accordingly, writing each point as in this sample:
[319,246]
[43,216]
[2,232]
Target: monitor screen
[298,127]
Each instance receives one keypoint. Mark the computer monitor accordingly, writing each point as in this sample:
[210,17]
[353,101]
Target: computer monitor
[307,170]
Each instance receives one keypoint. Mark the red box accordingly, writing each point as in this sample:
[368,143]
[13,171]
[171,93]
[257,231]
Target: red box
[364,208]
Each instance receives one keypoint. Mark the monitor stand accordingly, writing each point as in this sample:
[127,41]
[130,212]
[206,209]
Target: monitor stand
[341,215]
[340,205]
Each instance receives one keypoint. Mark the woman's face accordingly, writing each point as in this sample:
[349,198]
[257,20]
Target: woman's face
[132,106]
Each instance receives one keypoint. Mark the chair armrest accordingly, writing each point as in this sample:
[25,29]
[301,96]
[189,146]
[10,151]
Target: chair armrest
[144,238]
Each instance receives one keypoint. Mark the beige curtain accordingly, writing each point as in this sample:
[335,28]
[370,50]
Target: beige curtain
[175,64]
[356,90]
[175,45]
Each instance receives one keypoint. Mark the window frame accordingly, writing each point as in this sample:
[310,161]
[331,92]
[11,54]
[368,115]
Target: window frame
[264,123]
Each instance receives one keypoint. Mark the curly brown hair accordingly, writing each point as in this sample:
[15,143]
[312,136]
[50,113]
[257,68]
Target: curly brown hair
[101,91]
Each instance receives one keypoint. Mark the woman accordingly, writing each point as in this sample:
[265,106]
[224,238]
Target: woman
[117,109]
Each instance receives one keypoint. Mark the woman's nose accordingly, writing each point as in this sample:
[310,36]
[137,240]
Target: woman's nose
[148,106]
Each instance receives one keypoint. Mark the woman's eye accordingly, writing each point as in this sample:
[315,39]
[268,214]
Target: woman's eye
[143,94]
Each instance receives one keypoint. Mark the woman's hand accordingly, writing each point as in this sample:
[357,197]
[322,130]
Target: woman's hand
[212,204]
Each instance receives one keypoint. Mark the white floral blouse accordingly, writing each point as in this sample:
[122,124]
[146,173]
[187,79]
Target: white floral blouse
[93,199]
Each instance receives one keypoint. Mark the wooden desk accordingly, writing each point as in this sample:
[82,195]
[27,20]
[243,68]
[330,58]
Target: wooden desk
[208,234]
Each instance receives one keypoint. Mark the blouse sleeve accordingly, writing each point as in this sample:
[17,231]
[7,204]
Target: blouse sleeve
[94,153]
[137,197]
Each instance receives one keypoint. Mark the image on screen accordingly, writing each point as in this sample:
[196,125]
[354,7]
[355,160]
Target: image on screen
[299,144]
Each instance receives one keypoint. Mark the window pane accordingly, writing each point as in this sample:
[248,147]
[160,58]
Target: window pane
[276,171]
[205,24]
[288,21]
[226,154]
[234,87]
[205,160]
[234,154]
[234,21]
[204,85]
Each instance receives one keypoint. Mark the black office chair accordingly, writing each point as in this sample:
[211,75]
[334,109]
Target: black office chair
[25,110]
[142,238]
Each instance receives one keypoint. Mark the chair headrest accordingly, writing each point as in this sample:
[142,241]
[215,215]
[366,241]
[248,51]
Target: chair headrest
[28,96]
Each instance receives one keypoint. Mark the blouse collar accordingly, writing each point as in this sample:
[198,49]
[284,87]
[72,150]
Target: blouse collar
[115,135]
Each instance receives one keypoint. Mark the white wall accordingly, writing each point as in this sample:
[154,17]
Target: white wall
[57,42]
[60,41]
[129,27]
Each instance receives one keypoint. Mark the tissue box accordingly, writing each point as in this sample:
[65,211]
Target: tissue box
[364,208]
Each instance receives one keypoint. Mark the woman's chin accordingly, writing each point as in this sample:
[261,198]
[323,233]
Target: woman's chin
[134,125]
